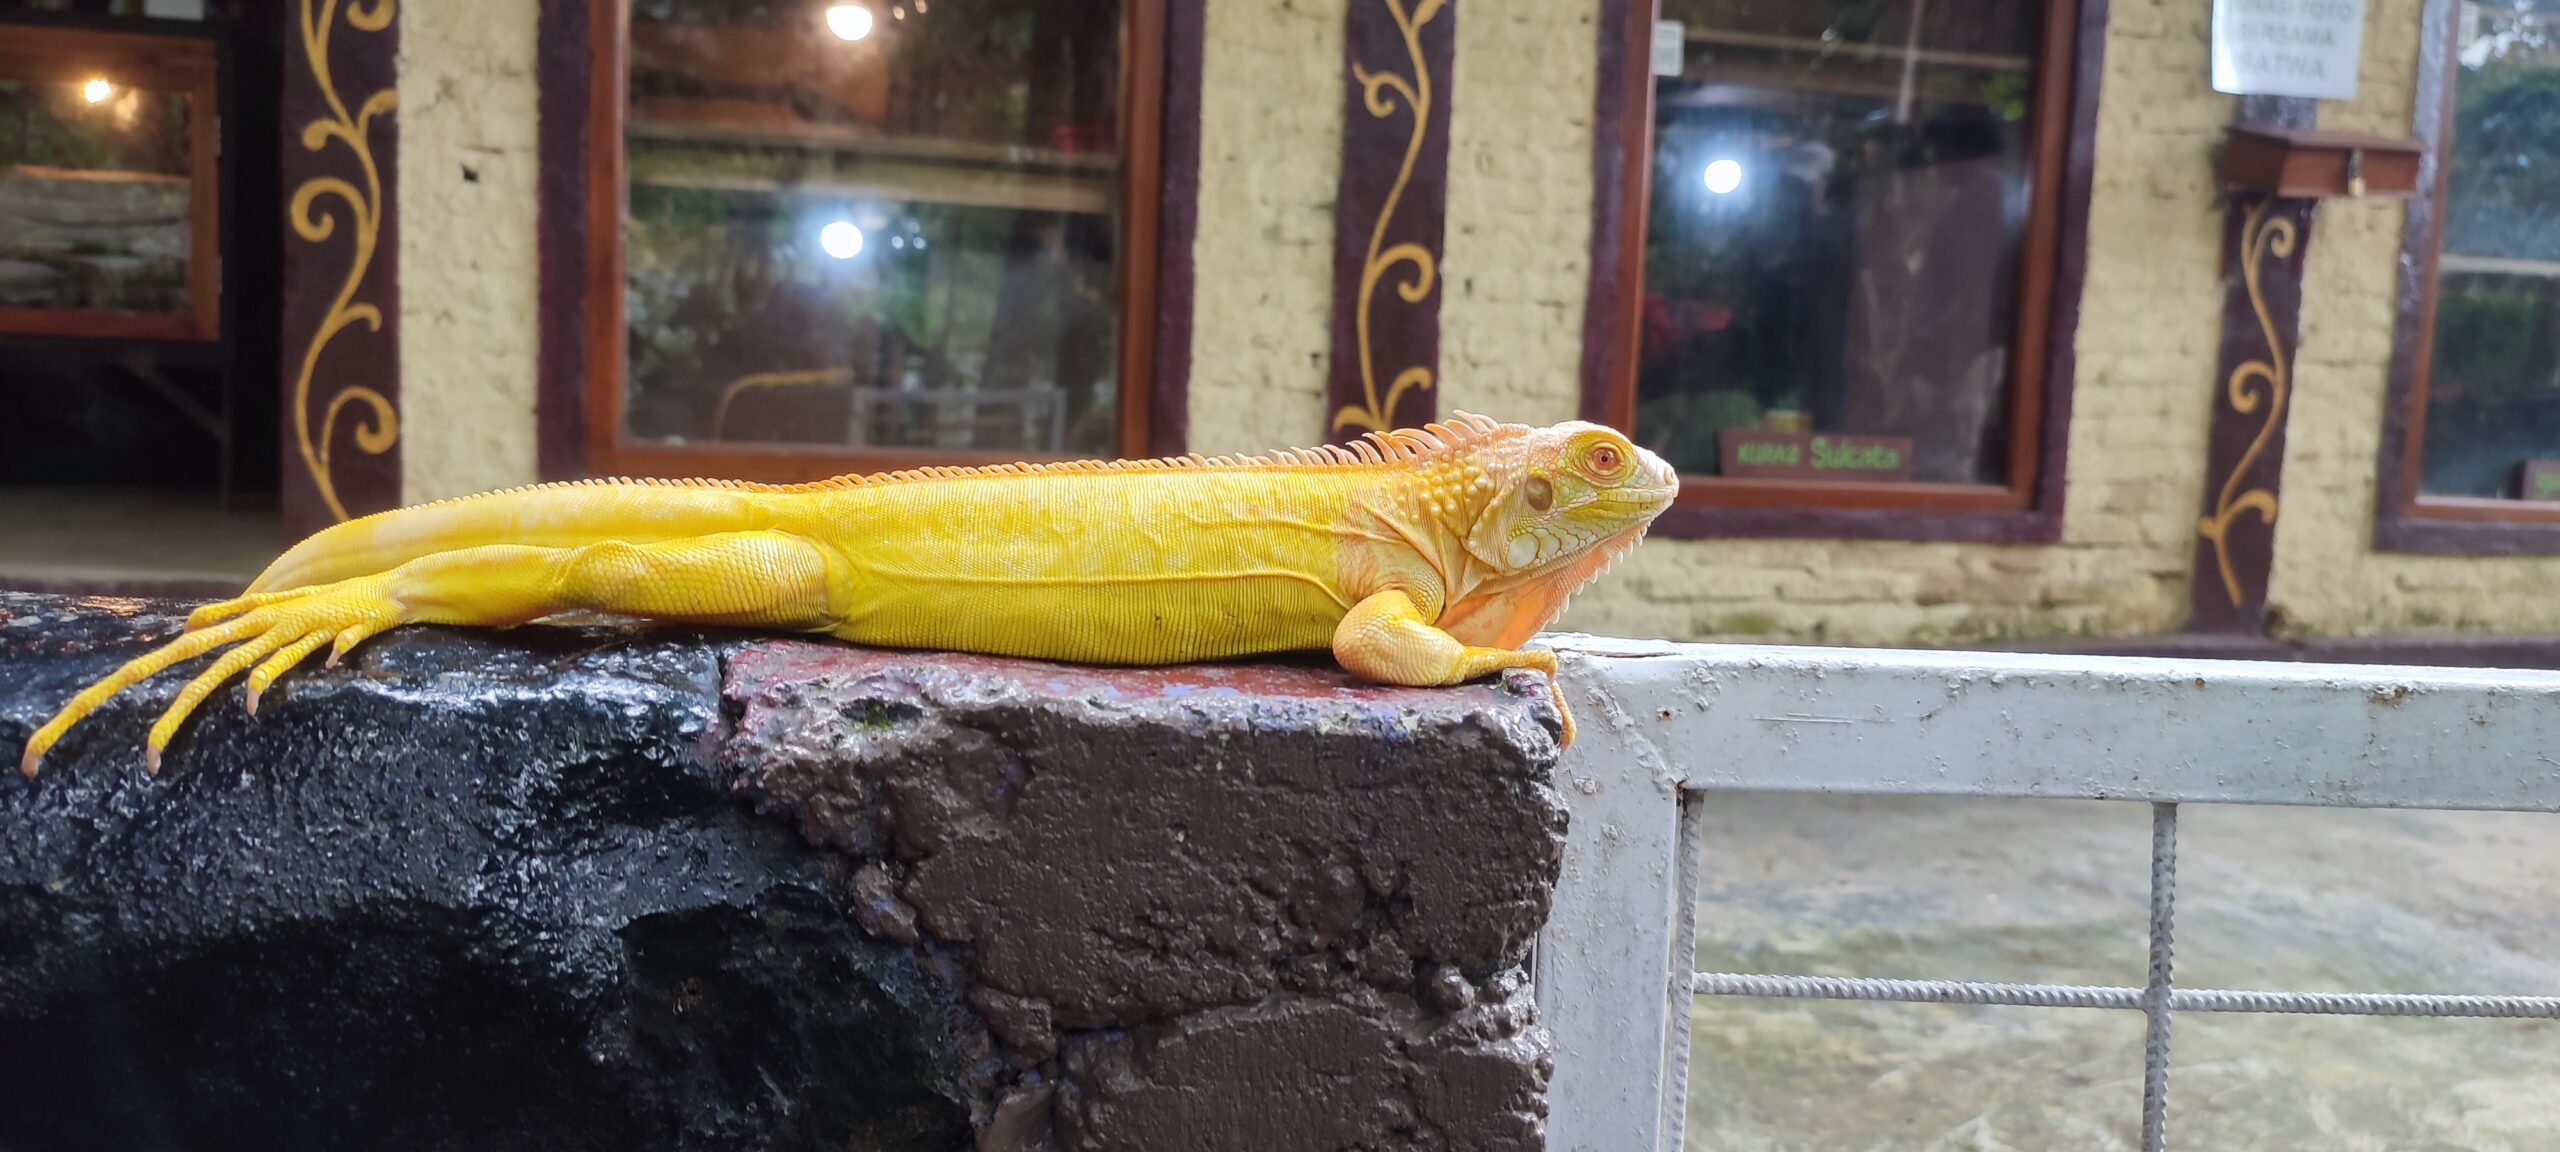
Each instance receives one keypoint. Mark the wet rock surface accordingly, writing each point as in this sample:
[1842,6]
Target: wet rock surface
[602,888]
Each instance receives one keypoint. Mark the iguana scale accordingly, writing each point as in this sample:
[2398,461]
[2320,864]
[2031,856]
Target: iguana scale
[1419,557]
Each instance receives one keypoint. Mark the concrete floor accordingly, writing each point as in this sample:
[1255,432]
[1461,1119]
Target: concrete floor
[2057,891]
[121,539]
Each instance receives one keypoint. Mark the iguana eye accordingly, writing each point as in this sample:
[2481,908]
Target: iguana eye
[1604,459]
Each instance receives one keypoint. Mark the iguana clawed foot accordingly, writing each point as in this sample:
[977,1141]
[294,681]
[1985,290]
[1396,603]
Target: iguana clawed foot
[273,631]
[1387,639]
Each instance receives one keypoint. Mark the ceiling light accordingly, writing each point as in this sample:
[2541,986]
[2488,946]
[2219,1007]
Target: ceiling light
[841,240]
[849,21]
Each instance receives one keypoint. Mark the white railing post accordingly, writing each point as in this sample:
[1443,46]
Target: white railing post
[1610,939]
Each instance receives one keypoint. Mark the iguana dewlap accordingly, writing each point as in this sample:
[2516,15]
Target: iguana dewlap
[1419,557]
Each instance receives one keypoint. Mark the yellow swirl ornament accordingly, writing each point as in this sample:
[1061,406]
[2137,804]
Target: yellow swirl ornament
[363,209]
[2260,237]
[1376,89]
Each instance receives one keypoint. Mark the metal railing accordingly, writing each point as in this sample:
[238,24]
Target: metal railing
[1663,725]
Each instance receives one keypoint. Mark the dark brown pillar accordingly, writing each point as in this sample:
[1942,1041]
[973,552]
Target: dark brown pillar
[2265,240]
[341,257]
[1387,215]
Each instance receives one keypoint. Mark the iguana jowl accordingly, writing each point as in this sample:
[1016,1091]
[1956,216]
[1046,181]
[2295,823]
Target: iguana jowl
[1419,557]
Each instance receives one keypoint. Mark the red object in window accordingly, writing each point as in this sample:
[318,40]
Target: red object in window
[1667,322]
[1080,138]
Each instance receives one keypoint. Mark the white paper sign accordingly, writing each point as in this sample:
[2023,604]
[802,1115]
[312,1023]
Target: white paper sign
[2287,47]
[1669,46]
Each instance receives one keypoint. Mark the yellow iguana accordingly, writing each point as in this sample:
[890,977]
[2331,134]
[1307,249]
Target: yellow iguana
[1420,557]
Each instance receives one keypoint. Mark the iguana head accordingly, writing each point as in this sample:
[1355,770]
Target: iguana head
[1562,491]
[1565,502]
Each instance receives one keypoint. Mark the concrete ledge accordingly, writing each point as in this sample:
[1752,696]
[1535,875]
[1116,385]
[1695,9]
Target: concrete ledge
[634,889]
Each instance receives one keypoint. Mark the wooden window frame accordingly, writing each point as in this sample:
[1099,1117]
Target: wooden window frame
[2404,518]
[2028,508]
[179,59]
[583,69]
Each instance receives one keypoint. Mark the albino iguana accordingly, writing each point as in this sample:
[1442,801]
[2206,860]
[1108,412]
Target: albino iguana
[1419,557]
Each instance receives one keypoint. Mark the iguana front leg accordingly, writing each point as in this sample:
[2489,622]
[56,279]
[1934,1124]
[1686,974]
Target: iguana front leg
[753,579]
[1385,638]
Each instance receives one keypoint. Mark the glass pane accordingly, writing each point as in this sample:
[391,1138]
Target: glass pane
[875,225]
[1840,192]
[2493,385]
[93,195]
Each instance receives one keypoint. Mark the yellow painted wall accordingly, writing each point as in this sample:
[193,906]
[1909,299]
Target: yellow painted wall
[1270,153]
[1516,264]
[468,275]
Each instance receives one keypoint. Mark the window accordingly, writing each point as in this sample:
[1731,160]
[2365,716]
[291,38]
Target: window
[2474,462]
[1838,287]
[872,233]
[108,184]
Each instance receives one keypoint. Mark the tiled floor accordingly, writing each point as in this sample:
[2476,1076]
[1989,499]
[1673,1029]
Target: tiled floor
[127,540]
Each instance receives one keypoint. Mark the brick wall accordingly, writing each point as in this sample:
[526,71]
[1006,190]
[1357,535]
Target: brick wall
[1517,261]
[1270,156]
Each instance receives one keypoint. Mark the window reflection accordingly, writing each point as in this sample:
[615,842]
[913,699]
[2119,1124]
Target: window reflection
[874,224]
[2493,384]
[1840,192]
[94,196]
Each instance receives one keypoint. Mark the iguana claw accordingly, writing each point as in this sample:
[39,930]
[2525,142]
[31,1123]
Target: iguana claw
[272,631]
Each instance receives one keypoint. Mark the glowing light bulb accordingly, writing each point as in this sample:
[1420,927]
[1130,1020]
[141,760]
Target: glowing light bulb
[97,90]
[1723,176]
[849,21]
[841,240]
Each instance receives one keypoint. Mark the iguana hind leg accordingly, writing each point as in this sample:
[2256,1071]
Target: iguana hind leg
[1385,638]
[759,579]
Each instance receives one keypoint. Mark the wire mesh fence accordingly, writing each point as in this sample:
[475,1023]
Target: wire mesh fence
[1679,723]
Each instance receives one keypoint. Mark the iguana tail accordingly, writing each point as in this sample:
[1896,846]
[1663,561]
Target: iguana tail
[564,515]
